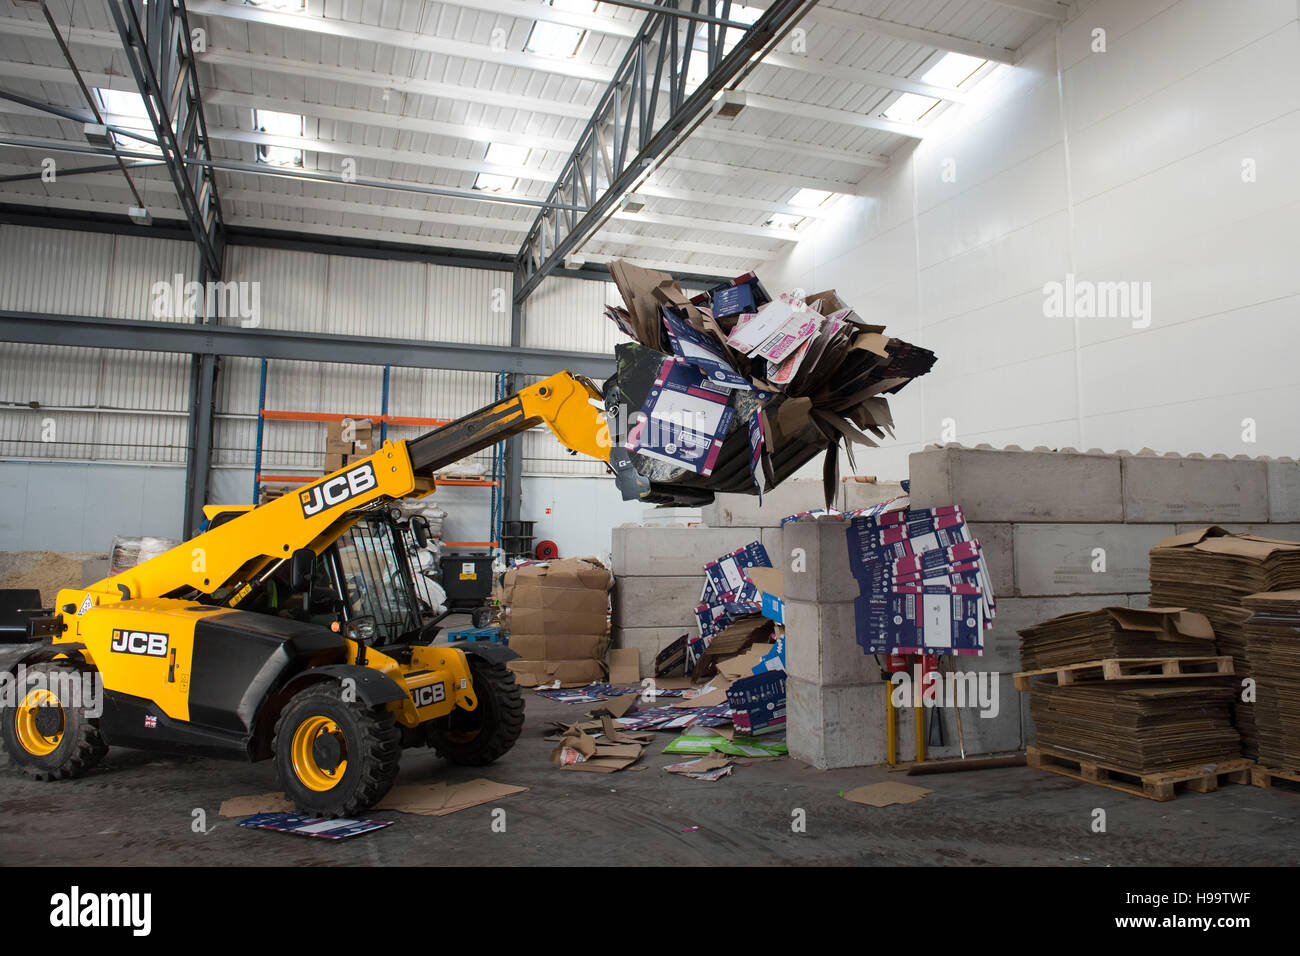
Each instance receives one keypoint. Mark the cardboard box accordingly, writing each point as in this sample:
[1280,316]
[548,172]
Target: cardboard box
[578,673]
[758,703]
[334,462]
[569,596]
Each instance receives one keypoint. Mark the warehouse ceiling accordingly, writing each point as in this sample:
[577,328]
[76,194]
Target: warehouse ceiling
[482,101]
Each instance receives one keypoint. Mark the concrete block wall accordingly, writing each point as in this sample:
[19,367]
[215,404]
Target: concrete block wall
[1041,515]
[659,571]
[658,575]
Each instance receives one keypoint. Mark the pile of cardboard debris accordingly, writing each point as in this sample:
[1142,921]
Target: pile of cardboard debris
[734,390]
[722,691]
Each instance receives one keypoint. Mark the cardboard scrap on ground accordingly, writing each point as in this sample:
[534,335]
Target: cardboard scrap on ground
[440,799]
[710,695]
[258,803]
[886,794]
[615,735]
[711,768]
[705,740]
[615,706]
[580,751]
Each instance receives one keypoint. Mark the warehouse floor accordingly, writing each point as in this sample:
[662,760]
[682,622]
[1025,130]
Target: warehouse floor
[136,809]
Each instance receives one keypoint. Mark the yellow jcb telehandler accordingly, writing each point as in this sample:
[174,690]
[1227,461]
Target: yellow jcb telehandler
[293,631]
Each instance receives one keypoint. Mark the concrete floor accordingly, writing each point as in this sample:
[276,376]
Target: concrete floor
[136,809]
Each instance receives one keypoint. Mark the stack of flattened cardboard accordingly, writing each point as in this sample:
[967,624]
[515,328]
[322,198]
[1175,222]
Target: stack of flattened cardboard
[1273,645]
[733,390]
[557,613]
[1137,721]
[1139,728]
[1211,571]
[1113,632]
[347,441]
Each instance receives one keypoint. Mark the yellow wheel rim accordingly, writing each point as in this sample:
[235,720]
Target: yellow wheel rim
[302,751]
[25,722]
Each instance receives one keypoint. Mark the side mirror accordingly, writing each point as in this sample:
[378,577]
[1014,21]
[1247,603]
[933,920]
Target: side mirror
[420,528]
[301,568]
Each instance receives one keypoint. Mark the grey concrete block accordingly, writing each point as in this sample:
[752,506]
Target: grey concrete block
[992,485]
[996,544]
[863,494]
[820,547]
[842,726]
[773,543]
[668,552]
[1194,489]
[656,602]
[1283,490]
[648,641]
[821,645]
[1058,558]
[744,511]
[995,728]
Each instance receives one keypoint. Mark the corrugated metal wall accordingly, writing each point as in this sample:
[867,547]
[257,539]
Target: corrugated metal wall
[131,407]
[94,404]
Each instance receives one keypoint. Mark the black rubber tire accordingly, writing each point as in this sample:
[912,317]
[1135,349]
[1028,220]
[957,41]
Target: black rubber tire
[374,752]
[82,745]
[489,730]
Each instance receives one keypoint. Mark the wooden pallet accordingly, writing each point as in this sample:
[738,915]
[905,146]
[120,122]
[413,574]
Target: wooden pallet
[1131,668]
[1156,785]
[1266,777]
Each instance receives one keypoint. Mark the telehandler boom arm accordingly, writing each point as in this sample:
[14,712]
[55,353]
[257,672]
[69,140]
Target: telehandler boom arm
[231,556]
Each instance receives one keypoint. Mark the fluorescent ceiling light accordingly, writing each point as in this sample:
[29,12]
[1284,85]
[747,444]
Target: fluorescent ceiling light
[127,110]
[809,197]
[558,40]
[492,183]
[909,107]
[503,154]
[952,70]
[278,124]
[279,6]
[782,220]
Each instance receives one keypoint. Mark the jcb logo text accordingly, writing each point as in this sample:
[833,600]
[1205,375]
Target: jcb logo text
[337,490]
[140,642]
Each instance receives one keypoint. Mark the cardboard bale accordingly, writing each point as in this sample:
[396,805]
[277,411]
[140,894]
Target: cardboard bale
[1212,571]
[1113,632]
[1273,646]
[578,673]
[556,647]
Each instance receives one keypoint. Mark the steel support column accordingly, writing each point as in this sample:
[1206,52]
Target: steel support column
[513,479]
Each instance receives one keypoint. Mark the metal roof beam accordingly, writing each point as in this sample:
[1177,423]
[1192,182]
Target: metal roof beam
[403,39]
[635,93]
[161,60]
[133,335]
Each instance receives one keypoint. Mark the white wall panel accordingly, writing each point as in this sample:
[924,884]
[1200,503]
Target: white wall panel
[1120,166]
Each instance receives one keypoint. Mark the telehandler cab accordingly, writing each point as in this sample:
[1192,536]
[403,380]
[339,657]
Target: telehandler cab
[292,631]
